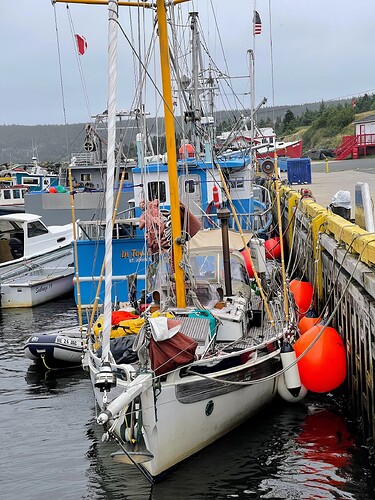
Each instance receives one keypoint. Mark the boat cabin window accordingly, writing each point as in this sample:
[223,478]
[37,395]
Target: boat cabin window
[16,194]
[6,227]
[36,228]
[126,176]
[237,183]
[239,272]
[190,186]
[85,177]
[203,267]
[157,191]
[30,181]
[7,194]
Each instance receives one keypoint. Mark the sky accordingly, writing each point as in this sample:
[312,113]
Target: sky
[321,50]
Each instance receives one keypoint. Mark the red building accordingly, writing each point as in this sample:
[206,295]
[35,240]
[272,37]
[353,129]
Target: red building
[361,143]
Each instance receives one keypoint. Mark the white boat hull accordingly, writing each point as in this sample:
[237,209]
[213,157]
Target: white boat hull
[36,287]
[190,419]
[190,429]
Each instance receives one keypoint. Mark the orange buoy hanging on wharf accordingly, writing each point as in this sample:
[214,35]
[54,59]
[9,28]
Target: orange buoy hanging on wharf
[323,367]
[306,322]
[303,292]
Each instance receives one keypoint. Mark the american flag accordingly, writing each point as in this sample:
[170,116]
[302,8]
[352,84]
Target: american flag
[257,24]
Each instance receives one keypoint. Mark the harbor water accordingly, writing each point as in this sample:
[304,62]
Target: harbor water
[51,447]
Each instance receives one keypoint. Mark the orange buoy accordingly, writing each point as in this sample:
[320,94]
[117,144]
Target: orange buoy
[306,323]
[249,267]
[323,367]
[272,246]
[303,293]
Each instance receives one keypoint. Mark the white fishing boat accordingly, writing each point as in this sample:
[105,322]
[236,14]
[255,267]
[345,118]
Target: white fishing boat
[35,260]
[209,346]
[17,181]
[12,198]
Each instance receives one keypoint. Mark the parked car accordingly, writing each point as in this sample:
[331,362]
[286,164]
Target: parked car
[319,153]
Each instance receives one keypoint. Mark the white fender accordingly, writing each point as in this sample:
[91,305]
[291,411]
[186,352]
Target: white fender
[289,384]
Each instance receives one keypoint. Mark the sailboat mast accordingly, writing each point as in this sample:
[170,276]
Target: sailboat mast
[171,153]
[195,43]
[111,161]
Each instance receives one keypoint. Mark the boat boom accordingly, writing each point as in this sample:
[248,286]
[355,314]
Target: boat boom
[135,388]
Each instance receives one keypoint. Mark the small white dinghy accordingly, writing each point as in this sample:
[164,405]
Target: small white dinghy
[58,348]
[36,286]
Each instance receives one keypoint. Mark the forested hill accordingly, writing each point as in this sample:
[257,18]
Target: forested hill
[49,143]
[57,143]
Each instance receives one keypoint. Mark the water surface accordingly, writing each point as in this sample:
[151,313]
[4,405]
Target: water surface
[51,447]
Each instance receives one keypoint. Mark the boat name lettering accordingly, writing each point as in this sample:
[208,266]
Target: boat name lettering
[134,253]
[61,340]
[43,288]
[138,253]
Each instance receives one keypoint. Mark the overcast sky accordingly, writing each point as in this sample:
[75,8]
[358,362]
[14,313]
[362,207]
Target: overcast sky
[322,49]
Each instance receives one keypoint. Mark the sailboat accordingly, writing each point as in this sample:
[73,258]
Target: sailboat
[207,353]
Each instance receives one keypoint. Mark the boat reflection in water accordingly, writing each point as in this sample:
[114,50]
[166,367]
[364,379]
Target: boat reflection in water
[302,451]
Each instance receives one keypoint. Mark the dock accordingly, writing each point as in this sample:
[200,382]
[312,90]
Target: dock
[338,258]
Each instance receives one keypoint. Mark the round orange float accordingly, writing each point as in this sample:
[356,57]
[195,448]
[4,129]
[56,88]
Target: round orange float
[323,367]
[303,293]
[272,246]
[306,323]
[249,267]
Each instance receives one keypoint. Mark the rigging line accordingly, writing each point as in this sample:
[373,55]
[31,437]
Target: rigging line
[181,97]
[143,65]
[272,64]
[329,319]
[219,36]
[80,69]
[61,79]
[73,140]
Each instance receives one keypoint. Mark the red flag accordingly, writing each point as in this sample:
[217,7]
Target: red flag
[81,44]
[257,24]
